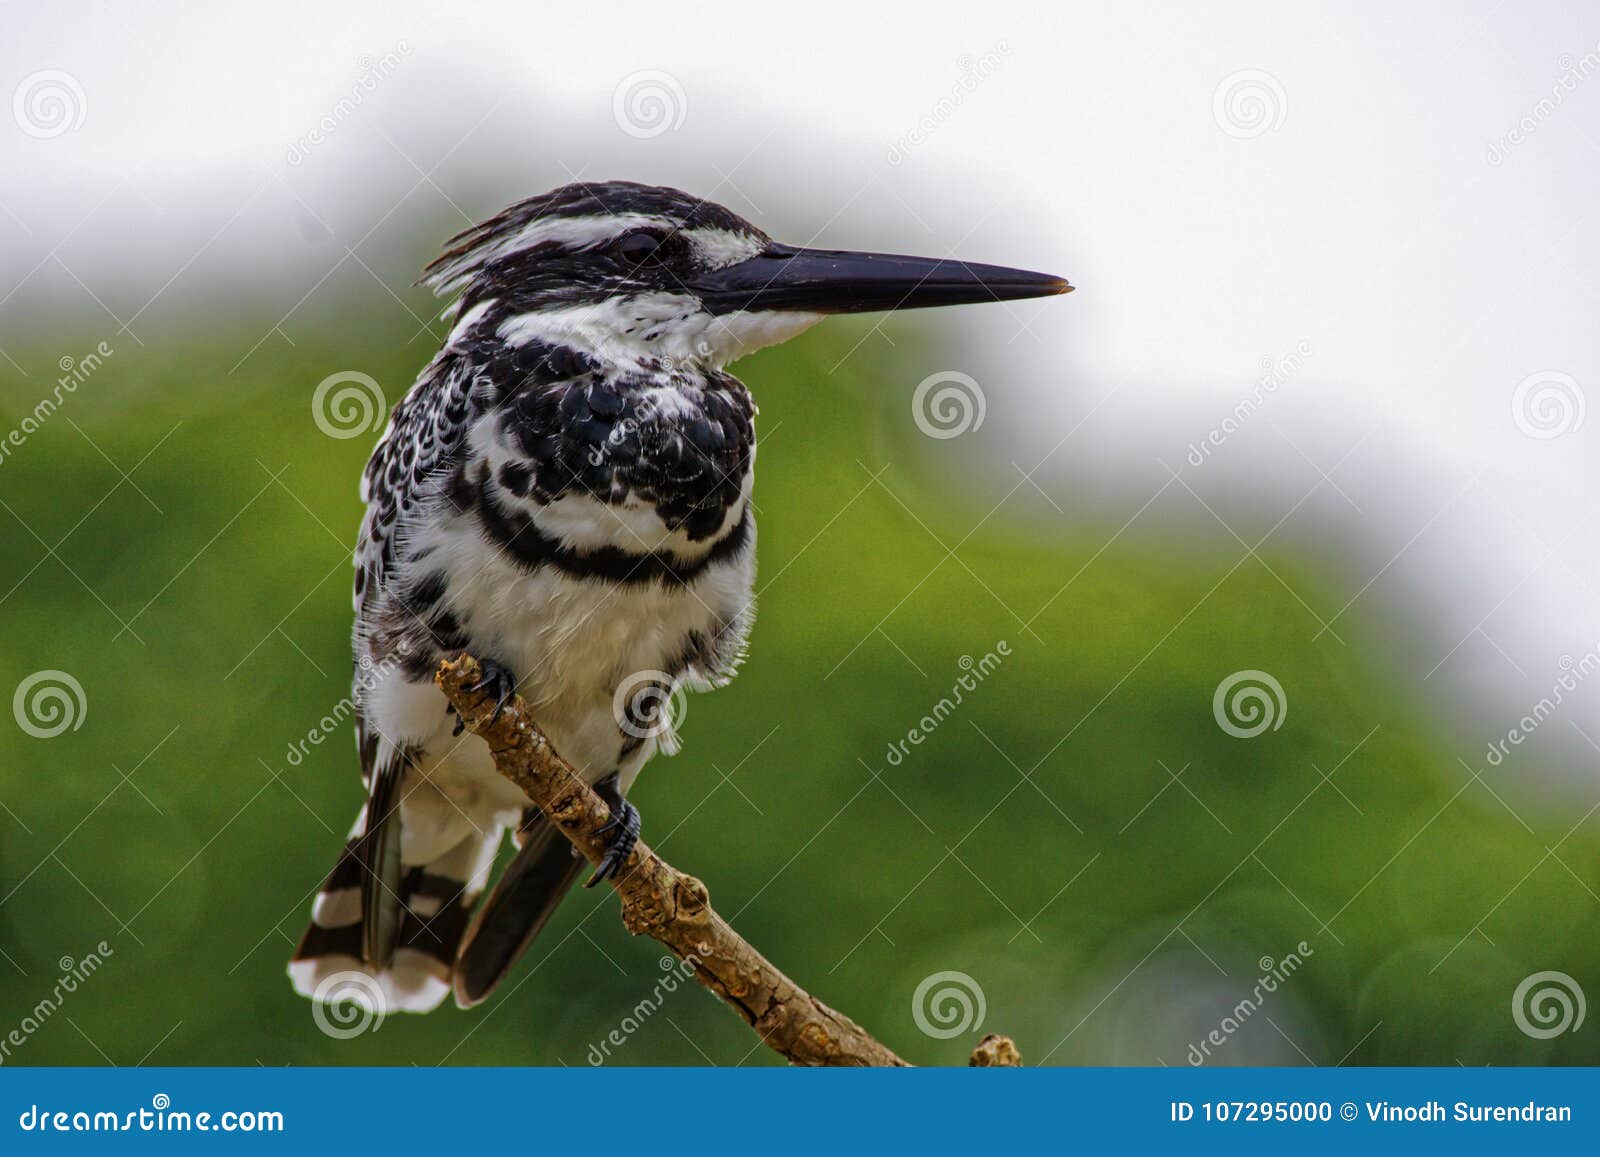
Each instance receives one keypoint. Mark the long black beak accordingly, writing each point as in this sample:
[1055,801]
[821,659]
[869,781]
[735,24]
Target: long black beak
[839,281]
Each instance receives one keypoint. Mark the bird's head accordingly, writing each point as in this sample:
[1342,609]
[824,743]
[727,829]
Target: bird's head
[628,272]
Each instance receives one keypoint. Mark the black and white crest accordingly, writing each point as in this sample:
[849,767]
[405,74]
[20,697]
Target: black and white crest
[591,243]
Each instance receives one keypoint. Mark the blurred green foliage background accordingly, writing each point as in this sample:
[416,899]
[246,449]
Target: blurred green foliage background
[1080,838]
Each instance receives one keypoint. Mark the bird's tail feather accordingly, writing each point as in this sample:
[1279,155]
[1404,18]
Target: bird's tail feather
[436,900]
[519,906]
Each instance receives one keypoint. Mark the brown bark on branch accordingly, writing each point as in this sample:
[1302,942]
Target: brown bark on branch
[666,904]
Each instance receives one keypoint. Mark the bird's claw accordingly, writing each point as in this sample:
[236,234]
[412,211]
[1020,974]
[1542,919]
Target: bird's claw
[497,677]
[624,822]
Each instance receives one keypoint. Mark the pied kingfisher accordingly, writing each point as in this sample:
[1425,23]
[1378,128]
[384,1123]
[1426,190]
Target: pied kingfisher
[564,493]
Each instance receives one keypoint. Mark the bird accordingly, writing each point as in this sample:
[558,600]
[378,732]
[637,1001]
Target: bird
[565,493]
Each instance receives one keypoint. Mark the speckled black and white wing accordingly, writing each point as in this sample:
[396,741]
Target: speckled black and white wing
[367,907]
[426,434]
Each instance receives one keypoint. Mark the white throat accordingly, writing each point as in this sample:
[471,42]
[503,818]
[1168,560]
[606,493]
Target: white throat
[654,326]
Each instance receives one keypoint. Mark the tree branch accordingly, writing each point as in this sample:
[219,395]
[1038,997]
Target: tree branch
[664,903]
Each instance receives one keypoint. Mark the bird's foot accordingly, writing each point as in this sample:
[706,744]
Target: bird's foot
[498,679]
[624,822]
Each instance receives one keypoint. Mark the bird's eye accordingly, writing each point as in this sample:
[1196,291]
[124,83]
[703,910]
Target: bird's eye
[636,248]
